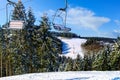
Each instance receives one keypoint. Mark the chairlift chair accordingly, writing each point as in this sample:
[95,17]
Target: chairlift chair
[14,24]
[61,27]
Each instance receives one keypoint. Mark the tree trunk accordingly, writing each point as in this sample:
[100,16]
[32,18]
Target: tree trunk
[6,69]
[1,65]
[10,70]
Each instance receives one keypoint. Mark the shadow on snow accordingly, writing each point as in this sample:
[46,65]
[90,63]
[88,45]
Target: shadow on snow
[81,78]
[65,48]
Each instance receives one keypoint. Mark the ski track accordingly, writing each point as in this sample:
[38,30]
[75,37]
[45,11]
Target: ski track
[72,47]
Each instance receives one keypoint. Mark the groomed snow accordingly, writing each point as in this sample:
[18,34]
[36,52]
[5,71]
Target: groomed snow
[82,75]
[72,47]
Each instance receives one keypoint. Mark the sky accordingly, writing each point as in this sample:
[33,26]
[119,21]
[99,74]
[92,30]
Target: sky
[93,18]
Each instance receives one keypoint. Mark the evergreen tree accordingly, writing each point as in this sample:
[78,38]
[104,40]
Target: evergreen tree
[28,36]
[62,63]
[102,61]
[32,49]
[115,56]
[19,12]
[87,63]
[45,24]
[45,46]
[1,51]
[18,46]
[30,18]
[77,63]
[69,64]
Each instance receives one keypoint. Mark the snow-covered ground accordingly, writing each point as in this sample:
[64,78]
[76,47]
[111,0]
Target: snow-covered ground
[82,75]
[72,47]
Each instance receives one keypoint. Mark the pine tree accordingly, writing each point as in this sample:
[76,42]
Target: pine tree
[45,24]
[32,49]
[62,63]
[115,56]
[102,60]
[19,12]
[30,18]
[48,47]
[77,65]
[69,65]
[87,63]
[18,39]
[1,52]
[29,33]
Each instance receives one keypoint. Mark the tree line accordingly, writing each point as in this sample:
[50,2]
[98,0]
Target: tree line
[65,34]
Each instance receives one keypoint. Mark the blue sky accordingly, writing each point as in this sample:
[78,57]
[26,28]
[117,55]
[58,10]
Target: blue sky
[85,17]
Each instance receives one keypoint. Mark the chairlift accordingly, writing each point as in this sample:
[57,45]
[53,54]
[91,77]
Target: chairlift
[58,14]
[11,2]
[14,24]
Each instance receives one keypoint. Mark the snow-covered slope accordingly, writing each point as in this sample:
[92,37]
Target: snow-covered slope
[72,47]
[82,75]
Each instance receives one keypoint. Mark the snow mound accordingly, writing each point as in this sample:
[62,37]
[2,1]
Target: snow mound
[82,75]
[72,47]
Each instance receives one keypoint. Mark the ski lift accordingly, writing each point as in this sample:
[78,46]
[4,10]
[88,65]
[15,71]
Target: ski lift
[58,14]
[14,24]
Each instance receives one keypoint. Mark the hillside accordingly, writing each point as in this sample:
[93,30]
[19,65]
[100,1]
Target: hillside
[72,47]
[104,39]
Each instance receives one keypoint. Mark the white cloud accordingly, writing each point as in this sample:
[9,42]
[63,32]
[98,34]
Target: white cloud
[108,34]
[38,14]
[117,22]
[49,13]
[82,17]
[116,31]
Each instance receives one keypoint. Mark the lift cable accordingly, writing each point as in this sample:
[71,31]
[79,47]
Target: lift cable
[2,9]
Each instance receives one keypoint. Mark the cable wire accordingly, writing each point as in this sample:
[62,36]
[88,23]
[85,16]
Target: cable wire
[2,9]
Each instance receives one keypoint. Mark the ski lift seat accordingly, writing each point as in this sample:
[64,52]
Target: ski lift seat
[16,24]
[61,27]
[61,15]
[57,26]
[68,29]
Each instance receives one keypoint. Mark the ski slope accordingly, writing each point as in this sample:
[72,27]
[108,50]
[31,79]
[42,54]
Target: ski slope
[82,75]
[72,47]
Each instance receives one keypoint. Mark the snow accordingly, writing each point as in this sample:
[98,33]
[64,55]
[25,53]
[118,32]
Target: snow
[78,75]
[72,47]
